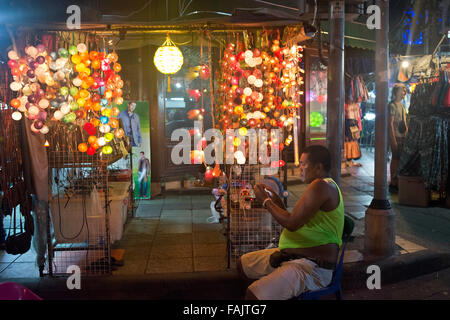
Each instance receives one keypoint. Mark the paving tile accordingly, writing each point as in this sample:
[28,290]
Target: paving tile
[175,228]
[176,213]
[408,245]
[170,220]
[177,206]
[210,263]
[136,252]
[210,250]
[206,227]
[131,267]
[208,237]
[170,265]
[30,256]
[135,242]
[153,212]
[201,218]
[4,257]
[21,270]
[171,251]
[201,212]
[162,239]
[140,229]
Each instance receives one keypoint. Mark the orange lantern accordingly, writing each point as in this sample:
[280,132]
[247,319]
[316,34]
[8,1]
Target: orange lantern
[15,103]
[92,140]
[82,147]
[115,111]
[93,55]
[95,122]
[96,64]
[114,123]
[117,67]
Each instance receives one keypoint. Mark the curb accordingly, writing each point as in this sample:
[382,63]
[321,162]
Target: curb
[395,269]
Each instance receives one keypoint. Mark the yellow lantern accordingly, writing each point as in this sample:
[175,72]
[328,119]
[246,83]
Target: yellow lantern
[168,59]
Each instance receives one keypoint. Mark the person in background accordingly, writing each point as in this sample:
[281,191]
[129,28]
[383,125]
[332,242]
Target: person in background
[397,130]
[309,244]
[131,124]
[144,172]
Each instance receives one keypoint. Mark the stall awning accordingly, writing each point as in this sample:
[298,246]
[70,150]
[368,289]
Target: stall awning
[357,35]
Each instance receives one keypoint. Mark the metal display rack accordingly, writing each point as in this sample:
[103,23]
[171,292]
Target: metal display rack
[250,227]
[79,214]
[78,224]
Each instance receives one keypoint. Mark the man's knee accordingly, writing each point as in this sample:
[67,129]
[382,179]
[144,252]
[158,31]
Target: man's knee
[239,268]
[249,295]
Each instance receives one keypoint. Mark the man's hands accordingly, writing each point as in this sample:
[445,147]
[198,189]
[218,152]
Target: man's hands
[260,193]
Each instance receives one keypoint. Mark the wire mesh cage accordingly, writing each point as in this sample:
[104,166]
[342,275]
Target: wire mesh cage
[251,227]
[79,208]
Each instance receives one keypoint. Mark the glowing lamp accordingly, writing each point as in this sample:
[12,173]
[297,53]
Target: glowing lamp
[168,59]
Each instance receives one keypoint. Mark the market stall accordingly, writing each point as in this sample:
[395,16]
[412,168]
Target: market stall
[424,165]
[66,95]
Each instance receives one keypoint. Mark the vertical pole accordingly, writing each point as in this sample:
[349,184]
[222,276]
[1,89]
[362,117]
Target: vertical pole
[380,219]
[335,91]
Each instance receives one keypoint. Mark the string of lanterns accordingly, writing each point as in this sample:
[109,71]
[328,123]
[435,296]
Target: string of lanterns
[74,86]
[260,88]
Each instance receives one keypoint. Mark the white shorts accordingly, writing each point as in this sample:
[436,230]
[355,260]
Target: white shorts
[285,282]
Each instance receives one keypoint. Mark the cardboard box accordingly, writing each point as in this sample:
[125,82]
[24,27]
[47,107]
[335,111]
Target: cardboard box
[412,192]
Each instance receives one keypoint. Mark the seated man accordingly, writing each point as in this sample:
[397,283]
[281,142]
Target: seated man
[310,241]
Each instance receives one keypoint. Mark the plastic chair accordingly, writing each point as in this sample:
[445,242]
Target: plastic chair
[14,291]
[335,284]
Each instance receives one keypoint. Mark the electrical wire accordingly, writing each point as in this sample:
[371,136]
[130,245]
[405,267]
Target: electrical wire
[133,12]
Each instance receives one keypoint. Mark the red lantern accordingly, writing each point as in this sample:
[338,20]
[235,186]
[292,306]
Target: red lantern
[204,72]
[91,151]
[209,174]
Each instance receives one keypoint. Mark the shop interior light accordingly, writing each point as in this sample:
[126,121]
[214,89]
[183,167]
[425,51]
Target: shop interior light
[370,116]
[405,64]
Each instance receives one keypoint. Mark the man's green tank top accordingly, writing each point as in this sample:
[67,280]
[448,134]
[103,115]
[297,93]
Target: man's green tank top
[322,228]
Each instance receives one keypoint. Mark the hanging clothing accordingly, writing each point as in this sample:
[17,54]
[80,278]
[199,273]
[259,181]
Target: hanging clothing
[425,151]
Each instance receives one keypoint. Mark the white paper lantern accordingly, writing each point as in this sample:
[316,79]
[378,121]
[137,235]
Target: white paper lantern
[16,115]
[248,54]
[248,91]
[32,51]
[33,110]
[44,130]
[81,47]
[13,55]
[251,79]
[105,128]
[260,97]
[15,86]
[22,108]
[77,82]
[258,83]
[101,141]
[43,103]
[258,60]
[58,115]
[65,108]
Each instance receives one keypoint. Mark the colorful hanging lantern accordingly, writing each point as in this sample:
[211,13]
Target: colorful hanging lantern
[168,59]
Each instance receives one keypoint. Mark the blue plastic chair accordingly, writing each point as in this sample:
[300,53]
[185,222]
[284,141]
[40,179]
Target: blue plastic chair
[335,285]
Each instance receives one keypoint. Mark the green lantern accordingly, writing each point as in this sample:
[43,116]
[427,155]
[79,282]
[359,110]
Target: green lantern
[315,119]
[73,50]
